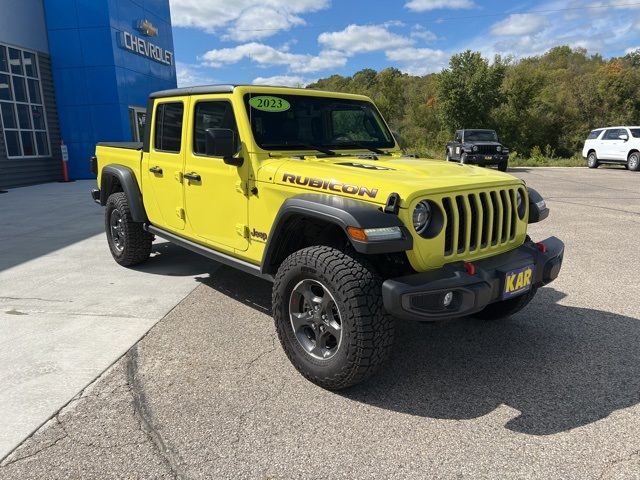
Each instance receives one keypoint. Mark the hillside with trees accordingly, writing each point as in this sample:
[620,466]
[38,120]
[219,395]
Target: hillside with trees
[538,104]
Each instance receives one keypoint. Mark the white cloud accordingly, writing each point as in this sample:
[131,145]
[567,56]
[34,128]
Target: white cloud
[362,38]
[420,33]
[426,5]
[519,24]
[283,80]
[631,50]
[261,22]
[267,56]
[189,75]
[244,19]
[418,61]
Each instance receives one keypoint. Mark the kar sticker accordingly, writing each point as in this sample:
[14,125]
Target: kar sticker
[269,104]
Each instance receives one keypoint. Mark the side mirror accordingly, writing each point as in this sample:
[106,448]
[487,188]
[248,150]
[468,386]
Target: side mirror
[623,136]
[221,142]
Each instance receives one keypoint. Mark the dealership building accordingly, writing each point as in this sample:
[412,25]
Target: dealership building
[74,73]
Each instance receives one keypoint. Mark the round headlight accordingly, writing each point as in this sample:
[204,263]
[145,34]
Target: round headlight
[499,148]
[421,217]
[475,148]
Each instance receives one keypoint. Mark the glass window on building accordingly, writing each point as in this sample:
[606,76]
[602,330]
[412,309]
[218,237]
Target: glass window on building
[22,111]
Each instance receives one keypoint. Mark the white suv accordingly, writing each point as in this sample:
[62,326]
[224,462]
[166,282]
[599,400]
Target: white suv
[617,145]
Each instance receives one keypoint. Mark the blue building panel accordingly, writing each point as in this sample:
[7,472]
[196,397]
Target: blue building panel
[107,56]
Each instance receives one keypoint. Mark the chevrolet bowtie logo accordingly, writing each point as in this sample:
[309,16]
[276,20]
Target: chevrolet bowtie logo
[146,28]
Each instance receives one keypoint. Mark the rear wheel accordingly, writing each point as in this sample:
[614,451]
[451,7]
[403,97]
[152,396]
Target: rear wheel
[592,160]
[129,243]
[328,312]
[506,308]
[633,162]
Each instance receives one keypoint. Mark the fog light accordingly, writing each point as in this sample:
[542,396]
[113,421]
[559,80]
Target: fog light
[448,298]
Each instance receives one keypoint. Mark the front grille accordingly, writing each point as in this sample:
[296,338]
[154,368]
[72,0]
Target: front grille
[480,220]
[487,149]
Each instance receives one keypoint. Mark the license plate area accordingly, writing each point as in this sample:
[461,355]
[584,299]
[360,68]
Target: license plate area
[518,281]
[488,157]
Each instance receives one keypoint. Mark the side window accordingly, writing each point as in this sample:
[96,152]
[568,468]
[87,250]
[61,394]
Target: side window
[215,114]
[613,134]
[168,127]
[594,134]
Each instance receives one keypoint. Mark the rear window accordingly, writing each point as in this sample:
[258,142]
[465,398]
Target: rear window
[635,132]
[168,128]
[594,134]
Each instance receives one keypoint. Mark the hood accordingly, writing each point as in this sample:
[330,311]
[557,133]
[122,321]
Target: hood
[490,144]
[374,180]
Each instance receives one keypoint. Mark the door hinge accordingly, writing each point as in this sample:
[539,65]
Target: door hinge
[241,187]
[180,212]
[243,230]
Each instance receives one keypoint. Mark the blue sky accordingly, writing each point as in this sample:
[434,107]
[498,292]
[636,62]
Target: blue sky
[294,42]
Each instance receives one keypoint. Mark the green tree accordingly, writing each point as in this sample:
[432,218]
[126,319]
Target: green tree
[468,90]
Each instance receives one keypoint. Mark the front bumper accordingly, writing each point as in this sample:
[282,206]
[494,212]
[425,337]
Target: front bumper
[419,296]
[478,159]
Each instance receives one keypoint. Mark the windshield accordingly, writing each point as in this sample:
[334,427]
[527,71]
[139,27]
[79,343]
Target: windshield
[480,136]
[300,122]
[635,132]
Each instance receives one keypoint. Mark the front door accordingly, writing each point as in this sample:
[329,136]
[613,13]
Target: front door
[215,197]
[611,145]
[164,163]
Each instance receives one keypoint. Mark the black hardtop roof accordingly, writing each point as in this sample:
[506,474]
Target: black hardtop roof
[204,89]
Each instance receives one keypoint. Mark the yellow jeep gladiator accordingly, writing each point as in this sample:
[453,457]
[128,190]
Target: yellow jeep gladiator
[310,190]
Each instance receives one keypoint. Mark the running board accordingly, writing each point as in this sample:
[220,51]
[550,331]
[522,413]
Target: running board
[210,253]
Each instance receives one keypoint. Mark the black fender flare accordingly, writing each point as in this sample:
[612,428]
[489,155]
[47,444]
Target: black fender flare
[538,209]
[127,180]
[339,211]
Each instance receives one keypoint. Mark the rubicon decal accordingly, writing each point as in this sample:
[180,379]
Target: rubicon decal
[330,185]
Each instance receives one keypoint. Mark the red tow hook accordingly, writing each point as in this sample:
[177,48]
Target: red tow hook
[541,247]
[470,268]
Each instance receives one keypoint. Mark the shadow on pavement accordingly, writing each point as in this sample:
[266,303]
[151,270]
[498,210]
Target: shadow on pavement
[561,367]
[172,260]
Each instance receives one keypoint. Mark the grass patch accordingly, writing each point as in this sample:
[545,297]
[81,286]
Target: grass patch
[542,161]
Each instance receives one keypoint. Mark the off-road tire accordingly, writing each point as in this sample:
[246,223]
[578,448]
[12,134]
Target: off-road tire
[503,166]
[633,162]
[367,330]
[506,308]
[592,160]
[135,242]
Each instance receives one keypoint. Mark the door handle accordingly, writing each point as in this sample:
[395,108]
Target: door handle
[193,176]
[156,170]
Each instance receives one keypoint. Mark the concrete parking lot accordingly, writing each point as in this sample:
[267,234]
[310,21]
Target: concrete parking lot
[552,393]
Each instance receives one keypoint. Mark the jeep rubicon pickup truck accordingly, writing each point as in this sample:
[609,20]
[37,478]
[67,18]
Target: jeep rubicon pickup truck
[309,190]
[478,147]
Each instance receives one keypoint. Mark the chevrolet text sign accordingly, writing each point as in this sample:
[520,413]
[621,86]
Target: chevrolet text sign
[143,47]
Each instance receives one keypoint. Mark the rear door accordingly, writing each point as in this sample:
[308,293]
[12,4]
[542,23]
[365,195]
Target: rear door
[164,163]
[216,203]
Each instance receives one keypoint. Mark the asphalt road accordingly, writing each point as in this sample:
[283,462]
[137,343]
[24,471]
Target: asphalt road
[552,393]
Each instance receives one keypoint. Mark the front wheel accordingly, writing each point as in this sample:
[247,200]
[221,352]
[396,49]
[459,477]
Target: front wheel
[506,308]
[502,166]
[328,312]
[633,162]
[129,243]
[592,160]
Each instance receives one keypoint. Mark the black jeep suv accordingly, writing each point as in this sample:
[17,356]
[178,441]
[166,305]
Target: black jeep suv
[479,147]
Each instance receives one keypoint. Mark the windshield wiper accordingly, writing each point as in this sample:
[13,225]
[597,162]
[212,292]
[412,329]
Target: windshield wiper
[309,146]
[363,146]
